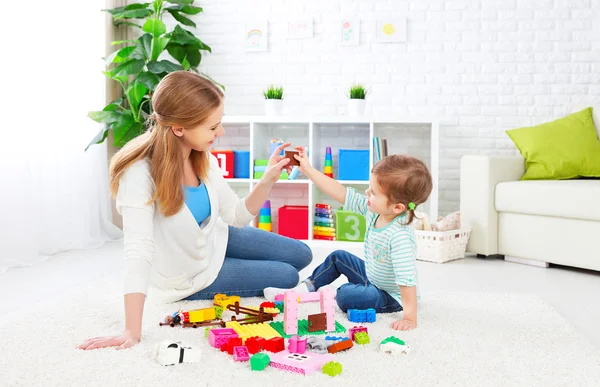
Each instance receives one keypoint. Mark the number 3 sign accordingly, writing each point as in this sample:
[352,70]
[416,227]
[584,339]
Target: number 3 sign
[350,226]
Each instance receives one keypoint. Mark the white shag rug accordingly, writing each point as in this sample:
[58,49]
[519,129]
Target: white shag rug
[463,339]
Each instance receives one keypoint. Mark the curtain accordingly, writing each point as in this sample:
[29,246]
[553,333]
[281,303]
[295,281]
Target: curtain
[54,194]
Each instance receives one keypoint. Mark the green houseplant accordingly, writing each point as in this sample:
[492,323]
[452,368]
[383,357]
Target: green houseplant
[273,100]
[137,65]
[356,100]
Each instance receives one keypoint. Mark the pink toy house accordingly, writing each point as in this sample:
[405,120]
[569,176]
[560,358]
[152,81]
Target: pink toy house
[291,300]
[300,363]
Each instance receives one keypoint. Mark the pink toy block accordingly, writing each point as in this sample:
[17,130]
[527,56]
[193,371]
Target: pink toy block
[297,344]
[220,336]
[241,353]
[328,307]
[309,297]
[290,312]
[354,330]
[304,364]
[279,298]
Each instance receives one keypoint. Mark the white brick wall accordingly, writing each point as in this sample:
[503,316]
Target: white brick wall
[482,66]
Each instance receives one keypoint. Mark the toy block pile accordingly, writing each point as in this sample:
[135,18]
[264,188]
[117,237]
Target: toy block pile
[264,217]
[324,227]
[328,168]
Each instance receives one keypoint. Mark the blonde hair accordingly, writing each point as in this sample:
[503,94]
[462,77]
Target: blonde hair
[404,179]
[183,99]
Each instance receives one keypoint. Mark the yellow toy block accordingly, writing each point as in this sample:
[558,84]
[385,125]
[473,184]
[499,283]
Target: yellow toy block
[223,300]
[324,229]
[200,315]
[266,310]
[266,226]
[323,233]
[246,331]
[328,169]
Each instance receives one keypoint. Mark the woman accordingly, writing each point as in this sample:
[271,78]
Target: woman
[176,208]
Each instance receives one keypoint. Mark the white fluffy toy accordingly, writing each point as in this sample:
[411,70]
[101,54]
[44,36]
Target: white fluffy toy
[168,353]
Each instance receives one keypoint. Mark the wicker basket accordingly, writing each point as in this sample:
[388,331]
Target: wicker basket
[442,246]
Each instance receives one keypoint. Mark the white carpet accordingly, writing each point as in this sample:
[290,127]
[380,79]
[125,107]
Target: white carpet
[463,339]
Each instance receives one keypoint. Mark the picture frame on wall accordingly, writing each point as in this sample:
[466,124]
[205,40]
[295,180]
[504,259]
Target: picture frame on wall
[391,30]
[350,30]
[256,36]
[300,28]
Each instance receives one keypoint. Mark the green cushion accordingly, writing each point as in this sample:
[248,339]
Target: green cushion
[566,148]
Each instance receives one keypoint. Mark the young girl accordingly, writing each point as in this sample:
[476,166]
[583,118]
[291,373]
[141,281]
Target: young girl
[176,208]
[387,279]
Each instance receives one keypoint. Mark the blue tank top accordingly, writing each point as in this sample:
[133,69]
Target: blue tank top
[197,200]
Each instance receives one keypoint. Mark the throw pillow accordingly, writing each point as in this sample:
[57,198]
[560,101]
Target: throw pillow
[566,148]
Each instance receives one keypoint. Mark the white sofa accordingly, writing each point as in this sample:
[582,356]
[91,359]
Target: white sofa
[532,222]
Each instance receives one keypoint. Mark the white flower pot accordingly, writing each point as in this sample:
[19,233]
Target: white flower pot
[273,107]
[356,107]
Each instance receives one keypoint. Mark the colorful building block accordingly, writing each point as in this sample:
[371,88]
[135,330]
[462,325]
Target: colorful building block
[297,344]
[259,362]
[350,226]
[276,344]
[226,162]
[264,330]
[328,167]
[264,217]
[343,345]
[303,329]
[317,322]
[231,344]
[293,222]
[332,368]
[301,363]
[240,353]
[290,313]
[241,164]
[362,338]
[220,336]
[254,344]
[354,330]
[362,315]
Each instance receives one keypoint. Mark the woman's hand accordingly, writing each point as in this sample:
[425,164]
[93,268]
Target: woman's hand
[276,165]
[125,340]
[302,158]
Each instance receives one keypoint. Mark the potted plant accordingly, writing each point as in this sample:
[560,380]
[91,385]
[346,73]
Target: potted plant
[356,101]
[137,65]
[273,100]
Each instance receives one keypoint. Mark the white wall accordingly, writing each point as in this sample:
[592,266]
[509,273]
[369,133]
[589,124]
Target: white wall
[481,66]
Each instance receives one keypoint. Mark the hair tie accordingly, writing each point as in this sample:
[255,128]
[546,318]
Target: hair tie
[411,206]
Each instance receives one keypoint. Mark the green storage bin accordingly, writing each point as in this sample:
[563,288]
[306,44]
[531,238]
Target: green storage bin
[350,226]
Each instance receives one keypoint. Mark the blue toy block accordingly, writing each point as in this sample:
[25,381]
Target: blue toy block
[259,168]
[336,338]
[371,316]
[362,315]
[274,146]
[353,164]
[294,174]
[241,164]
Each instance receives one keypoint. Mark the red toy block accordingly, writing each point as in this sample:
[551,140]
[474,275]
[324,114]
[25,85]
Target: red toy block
[225,158]
[293,222]
[323,206]
[276,344]
[340,346]
[233,342]
[253,345]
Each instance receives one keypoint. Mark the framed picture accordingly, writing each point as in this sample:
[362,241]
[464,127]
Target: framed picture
[256,36]
[350,32]
[391,30]
[300,29]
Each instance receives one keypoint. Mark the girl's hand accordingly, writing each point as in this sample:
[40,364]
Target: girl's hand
[276,165]
[403,325]
[125,340]
[302,158]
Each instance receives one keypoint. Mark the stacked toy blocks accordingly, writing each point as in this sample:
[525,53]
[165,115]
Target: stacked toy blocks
[264,217]
[260,167]
[328,169]
[324,227]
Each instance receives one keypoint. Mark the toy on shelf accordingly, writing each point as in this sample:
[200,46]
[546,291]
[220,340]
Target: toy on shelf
[294,174]
[350,226]
[353,164]
[241,164]
[332,368]
[328,168]
[324,227]
[226,162]
[264,217]
[275,142]
[297,344]
[354,330]
[301,363]
[394,345]
[290,313]
[293,222]
[168,353]
[260,166]
[362,315]
[259,362]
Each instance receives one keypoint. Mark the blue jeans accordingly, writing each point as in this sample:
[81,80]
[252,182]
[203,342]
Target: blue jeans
[358,293]
[257,259]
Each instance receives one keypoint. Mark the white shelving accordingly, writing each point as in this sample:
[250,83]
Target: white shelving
[418,137]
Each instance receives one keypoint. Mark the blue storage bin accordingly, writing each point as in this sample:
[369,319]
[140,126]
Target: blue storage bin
[353,164]
[241,164]
[273,146]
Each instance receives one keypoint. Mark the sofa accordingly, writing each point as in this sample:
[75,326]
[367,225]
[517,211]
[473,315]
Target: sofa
[534,222]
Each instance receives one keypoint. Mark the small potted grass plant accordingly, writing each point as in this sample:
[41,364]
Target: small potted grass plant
[356,101]
[273,100]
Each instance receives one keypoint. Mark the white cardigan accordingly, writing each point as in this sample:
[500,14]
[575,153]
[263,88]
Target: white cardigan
[170,258]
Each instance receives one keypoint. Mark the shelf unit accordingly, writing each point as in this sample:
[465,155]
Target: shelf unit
[417,137]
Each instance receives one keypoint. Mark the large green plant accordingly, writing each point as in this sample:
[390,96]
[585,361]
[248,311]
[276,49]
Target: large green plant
[136,66]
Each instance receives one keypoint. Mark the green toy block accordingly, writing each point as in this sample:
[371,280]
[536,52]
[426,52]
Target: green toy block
[332,368]
[259,175]
[264,219]
[362,338]
[350,226]
[303,329]
[259,361]
[206,331]
[261,162]
[392,339]
[218,311]
[328,163]
[279,305]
